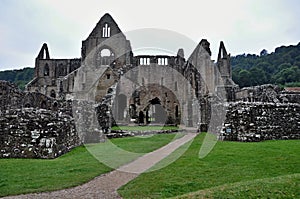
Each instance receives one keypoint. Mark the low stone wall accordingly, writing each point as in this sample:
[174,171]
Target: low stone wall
[121,133]
[261,121]
[36,133]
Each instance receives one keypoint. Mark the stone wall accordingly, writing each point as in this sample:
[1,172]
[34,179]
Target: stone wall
[33,125]
[261,121]
[267,93]
[36,133]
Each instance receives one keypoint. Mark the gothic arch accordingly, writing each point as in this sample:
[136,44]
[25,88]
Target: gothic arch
[105,56]
[44,52]
[46,70]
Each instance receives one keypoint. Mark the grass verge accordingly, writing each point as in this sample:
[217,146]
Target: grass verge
[229,162]
[19,176]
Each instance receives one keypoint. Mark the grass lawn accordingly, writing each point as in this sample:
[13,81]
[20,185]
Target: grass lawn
[231,170]
[144,128]
[287,186]
[76,167]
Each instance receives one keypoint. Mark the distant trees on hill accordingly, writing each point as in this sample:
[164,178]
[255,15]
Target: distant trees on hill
[19,77]
[281,67]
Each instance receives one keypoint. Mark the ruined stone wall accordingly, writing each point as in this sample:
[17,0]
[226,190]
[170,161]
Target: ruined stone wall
[261,121]
[33,125]
[36,133]
[10,95]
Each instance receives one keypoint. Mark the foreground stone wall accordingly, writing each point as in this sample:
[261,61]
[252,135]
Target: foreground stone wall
[36,133]
[261,121]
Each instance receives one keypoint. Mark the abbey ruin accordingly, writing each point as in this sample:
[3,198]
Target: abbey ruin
[75,101]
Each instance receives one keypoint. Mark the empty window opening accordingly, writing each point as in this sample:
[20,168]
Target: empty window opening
[110,90]
[106,57]
[107,76]
[175,86]
[162,61]
[43,105]
[144,61]
[46,70]
[55,106]
[105,52]
[52,94]
[106,31]
[176,111]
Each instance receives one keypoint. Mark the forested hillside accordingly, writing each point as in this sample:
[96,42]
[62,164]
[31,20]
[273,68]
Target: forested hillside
[19,77]
[281,67]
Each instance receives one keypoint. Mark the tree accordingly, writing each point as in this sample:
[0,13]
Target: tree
[264,52]
[244,78]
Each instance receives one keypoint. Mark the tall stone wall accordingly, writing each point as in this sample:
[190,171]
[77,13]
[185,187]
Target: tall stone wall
[33,125]
[258,121]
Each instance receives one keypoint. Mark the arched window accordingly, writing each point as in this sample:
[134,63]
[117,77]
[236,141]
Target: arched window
[106,57]
[55,106]
[61,70]
[106,31]
[46,70]
[43,104]
[52,93]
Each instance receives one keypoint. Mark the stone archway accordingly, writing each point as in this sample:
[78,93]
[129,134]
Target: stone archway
[154,104]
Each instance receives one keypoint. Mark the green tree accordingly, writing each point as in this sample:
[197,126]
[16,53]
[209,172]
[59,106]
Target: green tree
[244,78]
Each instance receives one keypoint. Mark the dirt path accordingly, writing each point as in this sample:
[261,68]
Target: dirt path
[106,185]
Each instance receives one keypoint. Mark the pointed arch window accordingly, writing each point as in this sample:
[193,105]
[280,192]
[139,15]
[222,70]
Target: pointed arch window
[106,31]
[46,70]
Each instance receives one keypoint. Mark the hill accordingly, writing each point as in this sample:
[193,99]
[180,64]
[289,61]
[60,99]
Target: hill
[281,67]
[19,77]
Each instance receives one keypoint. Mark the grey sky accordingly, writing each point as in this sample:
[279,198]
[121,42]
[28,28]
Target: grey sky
[246,26]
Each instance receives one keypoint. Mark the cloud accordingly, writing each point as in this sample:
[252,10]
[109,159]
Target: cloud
[246,26]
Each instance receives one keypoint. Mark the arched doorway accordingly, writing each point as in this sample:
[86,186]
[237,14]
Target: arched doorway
[155,112]
[141,117]
[158,104]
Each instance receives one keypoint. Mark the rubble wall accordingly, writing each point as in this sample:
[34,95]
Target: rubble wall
[36,133]
[261,121]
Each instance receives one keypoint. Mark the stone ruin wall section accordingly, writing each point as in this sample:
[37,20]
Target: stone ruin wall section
[260,121]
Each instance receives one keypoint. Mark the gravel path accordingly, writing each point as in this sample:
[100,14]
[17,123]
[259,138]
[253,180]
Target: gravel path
[106,185]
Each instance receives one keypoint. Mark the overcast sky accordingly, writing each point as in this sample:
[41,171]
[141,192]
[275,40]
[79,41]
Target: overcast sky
[245,26]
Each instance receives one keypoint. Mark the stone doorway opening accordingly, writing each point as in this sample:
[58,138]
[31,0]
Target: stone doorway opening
[155,112]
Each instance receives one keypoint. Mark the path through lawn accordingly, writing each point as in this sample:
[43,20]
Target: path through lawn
[105,186]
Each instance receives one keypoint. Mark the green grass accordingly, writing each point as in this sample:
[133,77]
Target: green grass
[287,186]
[76,167]
[144,128]
[124,150]
[35,175]
[228,163]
